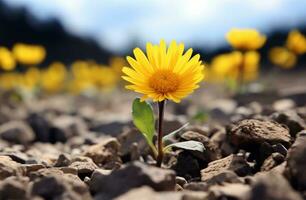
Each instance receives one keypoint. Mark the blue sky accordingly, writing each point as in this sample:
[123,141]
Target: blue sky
[116,24]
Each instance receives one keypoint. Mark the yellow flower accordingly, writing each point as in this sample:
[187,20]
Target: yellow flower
[228,66]
[10,80]
[282,57]
[29,54]
[296,42]
[117,63]
[31,78]
[104,77]
[245,39]
[164,73]
[54,77]
[7,61]
[251,65]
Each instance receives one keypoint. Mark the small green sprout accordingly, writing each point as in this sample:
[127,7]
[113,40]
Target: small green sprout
[143,118]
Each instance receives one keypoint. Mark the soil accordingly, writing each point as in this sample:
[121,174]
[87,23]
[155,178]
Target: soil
[67,147]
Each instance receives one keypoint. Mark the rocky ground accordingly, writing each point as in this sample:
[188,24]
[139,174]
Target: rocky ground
[58,148]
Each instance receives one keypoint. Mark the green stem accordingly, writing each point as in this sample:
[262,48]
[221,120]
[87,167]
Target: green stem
[160,155]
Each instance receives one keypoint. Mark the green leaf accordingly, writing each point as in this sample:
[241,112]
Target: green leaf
[188,145]
[143,119]
[167,139]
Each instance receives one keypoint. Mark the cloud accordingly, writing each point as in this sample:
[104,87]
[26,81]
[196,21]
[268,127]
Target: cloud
[117,24]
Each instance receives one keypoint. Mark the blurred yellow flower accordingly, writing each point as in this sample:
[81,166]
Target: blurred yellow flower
[7,61]
[117,63]
[104,77]
[31,78]
[251,65]
[225,66]
[296,42]
[10,80]
[164,73]
[235,64]
[29,54]
[81,70]
[245,39]
[282,57]
[90,75]
[53,78]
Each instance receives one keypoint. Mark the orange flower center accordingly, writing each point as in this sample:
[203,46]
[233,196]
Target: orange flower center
[164,81]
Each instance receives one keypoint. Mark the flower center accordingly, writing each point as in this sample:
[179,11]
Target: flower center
[164,81]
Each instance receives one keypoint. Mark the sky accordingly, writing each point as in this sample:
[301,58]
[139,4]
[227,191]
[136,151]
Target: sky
[117,24]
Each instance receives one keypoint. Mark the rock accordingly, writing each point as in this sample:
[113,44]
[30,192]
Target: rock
[218,137]
[272,186]
[45,172]
[178,187]
[252,132]
[84,168]
[77,142]
[8,168]
[105,153]
[57,135]
[280,149]
[272,161]
[134,152]
[279,158]
[67,186]
[146,193]
[243,111]
[63,160]
[13,188]
[222,108]
[196,186]
[132,175]
[101,172]
[283,105]
[112,128]
[224,177]
[228,191]
[301,111]
[28,168]
[187,165]
[296,162]
[44,130]
[291,119]
[69,125]
[65,126]
[16,156]
[203,130]
[180,180]
[48,188]
[172,123]
[190,195]
[211,153]
[149,194]
[256,108]
[127,138]
[233,162]
[69,170]
[44,153]
[41,127]
[279,169]
[264,151]
[16,132]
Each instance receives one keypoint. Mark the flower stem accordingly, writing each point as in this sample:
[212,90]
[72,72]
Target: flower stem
[241,73]
[160,155]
